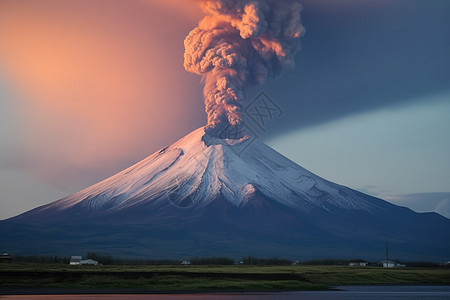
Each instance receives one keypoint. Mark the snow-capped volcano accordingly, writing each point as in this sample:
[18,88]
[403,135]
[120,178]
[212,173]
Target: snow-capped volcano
[199,168]
[205,195]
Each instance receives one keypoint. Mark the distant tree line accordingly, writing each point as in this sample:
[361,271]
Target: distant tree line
[326,262]
[104,259]
[251,260]
[211,261]
[41,259]
[107,259]
[423,264]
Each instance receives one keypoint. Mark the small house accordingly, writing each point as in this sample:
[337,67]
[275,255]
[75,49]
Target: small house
[5,258]
[358,263]
[75,260]
[392,264]
[88,262]
[186,262]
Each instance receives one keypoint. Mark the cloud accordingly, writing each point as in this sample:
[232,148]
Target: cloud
[359,56]
[94,86]
[424,202]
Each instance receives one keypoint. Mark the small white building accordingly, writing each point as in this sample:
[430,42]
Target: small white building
[88,262]
[78,260]
[186,262]
[5,258]
[358,263]
[75,260]
[392,264]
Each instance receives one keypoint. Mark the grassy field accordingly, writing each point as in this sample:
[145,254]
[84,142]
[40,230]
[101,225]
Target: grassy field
[210,278]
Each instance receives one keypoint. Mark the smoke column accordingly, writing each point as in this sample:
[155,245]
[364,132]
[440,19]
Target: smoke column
[237,44]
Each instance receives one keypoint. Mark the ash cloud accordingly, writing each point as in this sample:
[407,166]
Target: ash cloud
[239,44]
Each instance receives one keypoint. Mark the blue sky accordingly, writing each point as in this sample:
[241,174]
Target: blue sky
[387,153]
[367,104]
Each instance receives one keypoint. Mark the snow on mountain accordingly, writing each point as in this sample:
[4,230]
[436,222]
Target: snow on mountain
[224,197]
[198,168]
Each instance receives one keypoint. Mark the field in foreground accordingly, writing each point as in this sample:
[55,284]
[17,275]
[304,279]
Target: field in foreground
[211,278]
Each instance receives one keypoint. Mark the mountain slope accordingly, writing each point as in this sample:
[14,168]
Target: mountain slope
[198,168]
[209,196]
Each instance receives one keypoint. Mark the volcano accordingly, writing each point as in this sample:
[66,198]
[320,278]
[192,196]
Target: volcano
[210,196]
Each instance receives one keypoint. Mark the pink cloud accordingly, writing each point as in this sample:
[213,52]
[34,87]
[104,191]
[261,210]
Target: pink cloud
[99,84]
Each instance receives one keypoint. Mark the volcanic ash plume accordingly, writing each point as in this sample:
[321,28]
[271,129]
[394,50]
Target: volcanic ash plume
[237,44]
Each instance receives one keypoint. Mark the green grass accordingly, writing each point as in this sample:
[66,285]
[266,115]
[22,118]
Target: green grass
[210,278]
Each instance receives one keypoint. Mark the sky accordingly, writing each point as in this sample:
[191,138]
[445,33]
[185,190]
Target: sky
[88,88]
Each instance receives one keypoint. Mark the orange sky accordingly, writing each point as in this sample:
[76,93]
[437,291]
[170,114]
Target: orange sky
[94,81]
